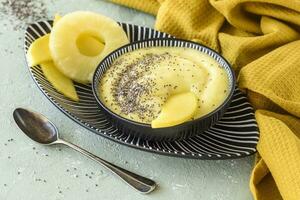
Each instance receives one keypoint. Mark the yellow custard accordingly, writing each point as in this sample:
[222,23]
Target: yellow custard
[139,83]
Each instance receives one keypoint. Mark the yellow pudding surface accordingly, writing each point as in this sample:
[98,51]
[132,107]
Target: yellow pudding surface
[138,84]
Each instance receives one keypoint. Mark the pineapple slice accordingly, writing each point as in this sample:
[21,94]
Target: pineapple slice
[64,40]
[178,108]
[36,56]
[87,45]
[59,81]
[38,51]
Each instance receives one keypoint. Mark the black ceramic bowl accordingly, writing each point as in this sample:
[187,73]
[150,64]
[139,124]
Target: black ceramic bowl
[181,131]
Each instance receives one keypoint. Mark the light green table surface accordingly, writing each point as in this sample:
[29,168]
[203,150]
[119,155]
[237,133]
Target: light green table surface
[29,171]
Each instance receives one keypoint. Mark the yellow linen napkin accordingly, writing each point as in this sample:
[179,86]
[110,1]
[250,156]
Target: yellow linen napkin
[260,38]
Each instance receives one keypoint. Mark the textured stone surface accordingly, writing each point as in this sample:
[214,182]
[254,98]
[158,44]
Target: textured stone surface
[33,172]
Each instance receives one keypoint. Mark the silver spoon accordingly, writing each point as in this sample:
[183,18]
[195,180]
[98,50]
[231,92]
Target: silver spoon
[41,130]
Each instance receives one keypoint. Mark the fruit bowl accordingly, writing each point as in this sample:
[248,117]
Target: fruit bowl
[177,132]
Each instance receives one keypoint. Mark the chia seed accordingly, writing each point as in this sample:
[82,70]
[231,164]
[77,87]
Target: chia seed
[23,12]
[130,92]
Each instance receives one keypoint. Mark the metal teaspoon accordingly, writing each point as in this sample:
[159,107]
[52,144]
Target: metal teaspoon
[40,129]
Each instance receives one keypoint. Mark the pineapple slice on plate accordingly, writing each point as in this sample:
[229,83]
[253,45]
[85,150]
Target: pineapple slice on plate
[178,108]
[38,51]
[59,81]
[68,33]
[87,45]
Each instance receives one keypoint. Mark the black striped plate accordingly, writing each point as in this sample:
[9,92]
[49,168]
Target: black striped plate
[234,136]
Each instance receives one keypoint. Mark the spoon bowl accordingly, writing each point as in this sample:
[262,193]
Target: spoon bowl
[40,129]
[36,126]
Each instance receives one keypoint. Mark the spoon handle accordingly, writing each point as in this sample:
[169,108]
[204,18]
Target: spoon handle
[142,184]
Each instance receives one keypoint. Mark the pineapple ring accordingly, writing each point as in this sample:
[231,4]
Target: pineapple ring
[63,43]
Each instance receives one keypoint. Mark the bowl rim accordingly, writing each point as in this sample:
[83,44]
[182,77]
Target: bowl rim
[224,103]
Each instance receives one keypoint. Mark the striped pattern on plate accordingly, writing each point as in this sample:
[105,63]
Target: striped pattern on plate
[234,136]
